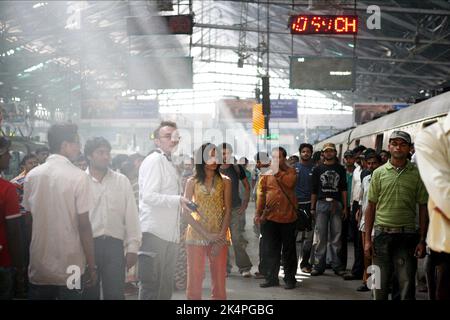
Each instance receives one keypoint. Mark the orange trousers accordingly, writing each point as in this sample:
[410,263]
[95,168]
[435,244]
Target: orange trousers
[196,272]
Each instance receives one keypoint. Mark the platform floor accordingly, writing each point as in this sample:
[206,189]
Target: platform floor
[325,287]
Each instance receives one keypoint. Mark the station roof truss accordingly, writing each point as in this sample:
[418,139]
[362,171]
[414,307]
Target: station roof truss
[43,55]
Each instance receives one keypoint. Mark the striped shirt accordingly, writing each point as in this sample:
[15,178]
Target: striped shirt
[396,195]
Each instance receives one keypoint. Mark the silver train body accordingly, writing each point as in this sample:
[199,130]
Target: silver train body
[375,134]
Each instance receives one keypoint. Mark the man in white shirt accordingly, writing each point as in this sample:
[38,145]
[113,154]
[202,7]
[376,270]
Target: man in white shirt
[58,195]
[433,160]
[159,210]
[357,270]
[115,222]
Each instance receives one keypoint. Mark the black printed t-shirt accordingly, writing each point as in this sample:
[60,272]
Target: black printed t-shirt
[328,181]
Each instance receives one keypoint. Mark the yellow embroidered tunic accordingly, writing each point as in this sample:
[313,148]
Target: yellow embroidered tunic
[212,210]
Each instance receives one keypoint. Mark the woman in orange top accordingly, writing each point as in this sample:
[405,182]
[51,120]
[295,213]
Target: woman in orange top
[207,234]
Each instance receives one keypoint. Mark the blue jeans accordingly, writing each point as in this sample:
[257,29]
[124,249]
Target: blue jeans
[393,253]
[239,244]
[328,217]
[6,283]
[110,260]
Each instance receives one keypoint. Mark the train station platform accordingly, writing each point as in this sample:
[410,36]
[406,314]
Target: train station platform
[325,287]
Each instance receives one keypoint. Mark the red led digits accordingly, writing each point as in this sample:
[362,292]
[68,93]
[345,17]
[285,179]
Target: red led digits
[300,24]
[323,24]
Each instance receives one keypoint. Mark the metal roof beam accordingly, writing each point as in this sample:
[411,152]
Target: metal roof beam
[358,37]
[234,48]
[359,7]
[409,76]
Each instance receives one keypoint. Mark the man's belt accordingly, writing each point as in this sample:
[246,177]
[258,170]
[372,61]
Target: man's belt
[395,229]
[326,199]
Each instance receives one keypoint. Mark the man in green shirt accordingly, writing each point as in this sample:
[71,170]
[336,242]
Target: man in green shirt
[395,190]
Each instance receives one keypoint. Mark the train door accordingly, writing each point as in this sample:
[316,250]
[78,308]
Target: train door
[379,142]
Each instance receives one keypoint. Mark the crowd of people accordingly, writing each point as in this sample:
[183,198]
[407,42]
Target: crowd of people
[81,225]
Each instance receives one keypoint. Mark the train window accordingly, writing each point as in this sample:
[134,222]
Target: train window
[379,142]
[428,123]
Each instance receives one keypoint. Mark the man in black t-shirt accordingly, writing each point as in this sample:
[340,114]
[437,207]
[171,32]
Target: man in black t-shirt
[328,207]
[237,174]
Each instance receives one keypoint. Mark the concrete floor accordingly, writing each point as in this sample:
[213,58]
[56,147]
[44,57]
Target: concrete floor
[325,287]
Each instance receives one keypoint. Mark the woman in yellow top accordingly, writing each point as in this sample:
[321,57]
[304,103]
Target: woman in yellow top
[208,233]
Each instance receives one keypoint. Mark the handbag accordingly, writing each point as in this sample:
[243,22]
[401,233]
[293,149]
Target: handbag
[304,219]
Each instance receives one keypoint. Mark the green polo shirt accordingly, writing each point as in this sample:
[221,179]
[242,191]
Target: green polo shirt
[396,195]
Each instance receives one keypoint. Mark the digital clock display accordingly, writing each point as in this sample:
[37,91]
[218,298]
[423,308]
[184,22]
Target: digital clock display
[323,24]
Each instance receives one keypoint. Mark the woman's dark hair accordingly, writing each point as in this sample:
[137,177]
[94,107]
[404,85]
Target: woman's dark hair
[201,156]
[60,133]
[305,145]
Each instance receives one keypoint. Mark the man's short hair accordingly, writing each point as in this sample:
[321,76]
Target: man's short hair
[118,160]
[349,153]
[305,145]
[5,143]
[316,155]
[371,155]
[95,143]
[359,148]
[280,149]
[243,160]
[163,124]
[59,133]
[262,157]
[42,149]
[225,146]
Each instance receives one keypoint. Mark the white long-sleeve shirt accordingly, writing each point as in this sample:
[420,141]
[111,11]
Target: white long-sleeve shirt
[433,160]
[356,184]
[159,197]
[115,213]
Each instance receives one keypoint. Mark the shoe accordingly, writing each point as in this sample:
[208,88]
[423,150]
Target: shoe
[290,285]
[363,288]
[351,276]
[315,273]
[259,275]
[246,274]
[340,273]
[306,269]
[268,284]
